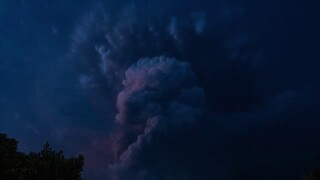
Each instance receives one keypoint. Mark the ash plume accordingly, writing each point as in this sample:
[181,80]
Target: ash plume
[160,96]
[160,131]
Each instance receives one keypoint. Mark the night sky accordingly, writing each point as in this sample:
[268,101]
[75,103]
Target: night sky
[165,89]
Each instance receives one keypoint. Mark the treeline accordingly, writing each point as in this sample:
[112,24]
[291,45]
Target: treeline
[44,165]
[51,165]
[314,175]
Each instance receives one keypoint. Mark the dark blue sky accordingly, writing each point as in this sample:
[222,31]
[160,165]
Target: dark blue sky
[62,64]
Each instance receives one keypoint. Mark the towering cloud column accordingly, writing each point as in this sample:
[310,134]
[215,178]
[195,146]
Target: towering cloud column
[160,98]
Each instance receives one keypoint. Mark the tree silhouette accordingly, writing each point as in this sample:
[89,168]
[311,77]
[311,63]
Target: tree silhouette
[44,165]
[314,175]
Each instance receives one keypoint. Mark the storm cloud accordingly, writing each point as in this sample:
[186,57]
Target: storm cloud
[160,96]
[231,65]
[165,89]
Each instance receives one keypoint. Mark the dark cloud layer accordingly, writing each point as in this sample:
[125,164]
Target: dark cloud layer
[142,29]
[165,89]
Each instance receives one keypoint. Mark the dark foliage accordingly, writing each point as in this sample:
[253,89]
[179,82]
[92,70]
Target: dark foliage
[314,175]
[46,164]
